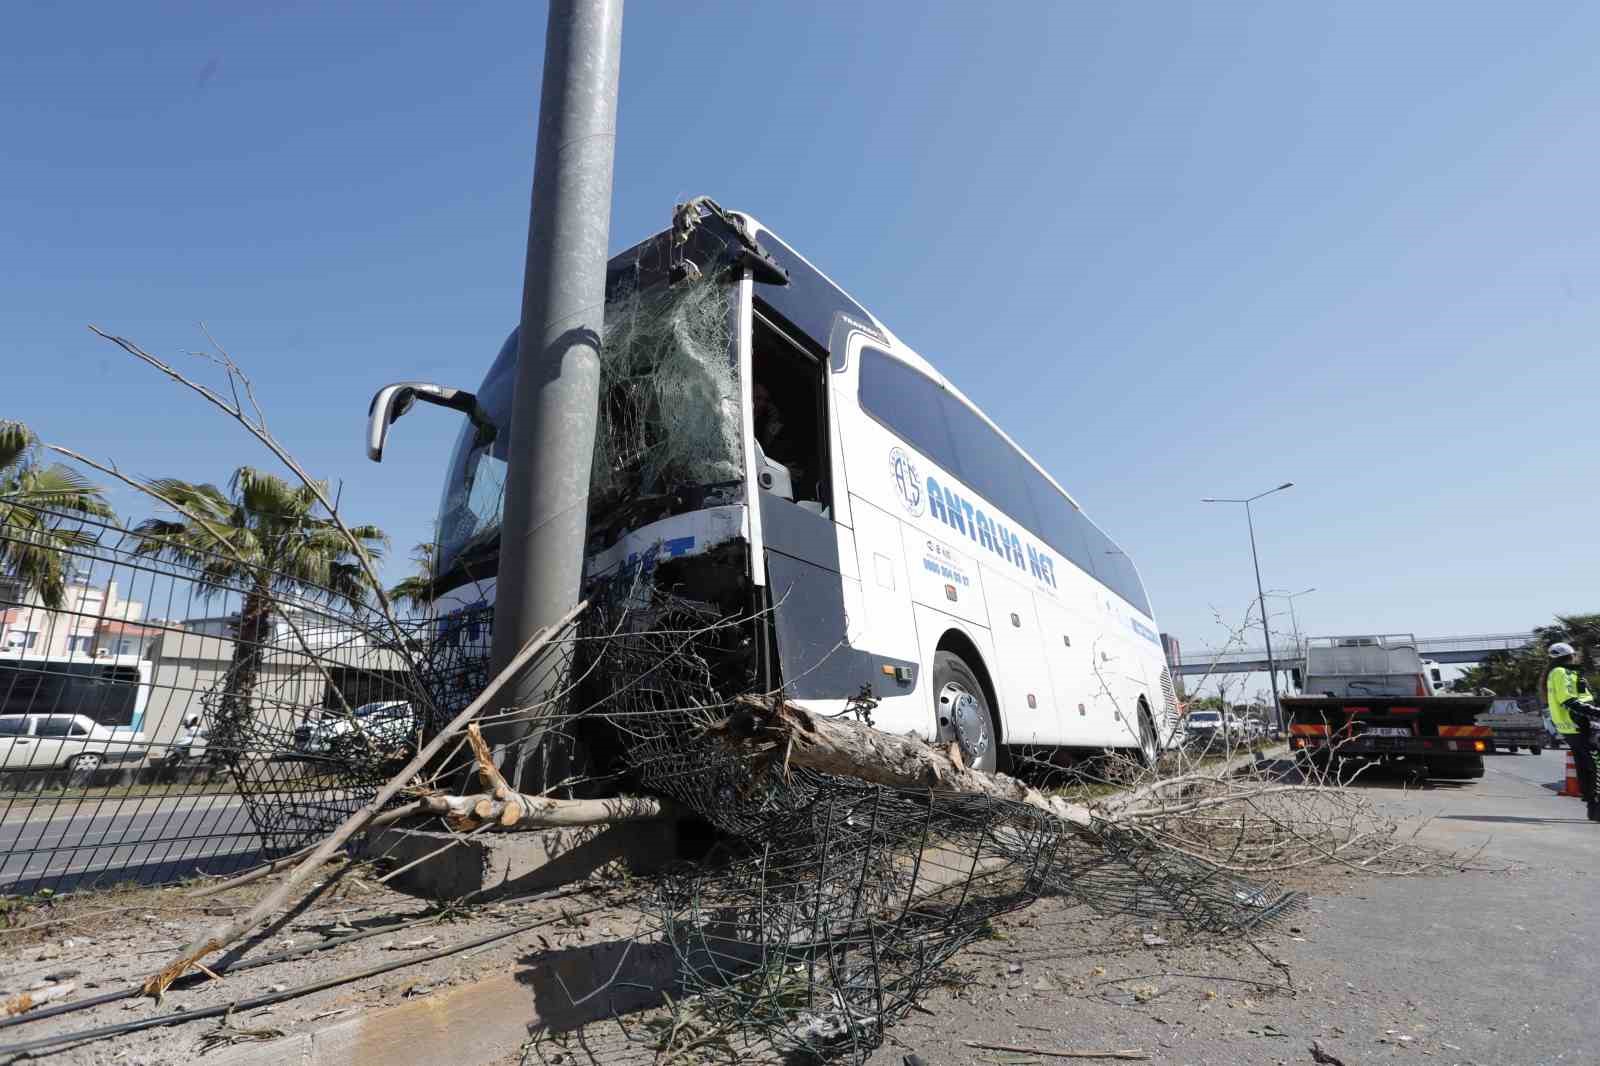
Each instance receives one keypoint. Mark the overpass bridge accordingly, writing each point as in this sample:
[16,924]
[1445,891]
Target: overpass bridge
[1469,649]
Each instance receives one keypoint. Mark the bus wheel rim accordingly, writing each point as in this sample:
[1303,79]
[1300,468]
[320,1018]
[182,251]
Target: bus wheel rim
[969,722]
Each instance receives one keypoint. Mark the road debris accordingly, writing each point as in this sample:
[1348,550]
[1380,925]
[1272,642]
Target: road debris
[1129,1054]
[23,1002]
[1323,1058]
[227,1034]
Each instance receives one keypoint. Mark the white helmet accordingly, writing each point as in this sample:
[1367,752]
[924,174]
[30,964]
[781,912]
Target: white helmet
[1562,650]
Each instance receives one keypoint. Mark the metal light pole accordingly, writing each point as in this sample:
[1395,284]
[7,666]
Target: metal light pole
[558,357]
[1261,597]
[1294,623]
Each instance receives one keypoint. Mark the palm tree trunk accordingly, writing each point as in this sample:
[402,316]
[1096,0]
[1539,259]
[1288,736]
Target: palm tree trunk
[236,711]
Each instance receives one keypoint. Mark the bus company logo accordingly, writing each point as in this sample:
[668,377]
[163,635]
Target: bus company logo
[907,482]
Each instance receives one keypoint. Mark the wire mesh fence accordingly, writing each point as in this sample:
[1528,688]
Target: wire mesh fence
[143,739]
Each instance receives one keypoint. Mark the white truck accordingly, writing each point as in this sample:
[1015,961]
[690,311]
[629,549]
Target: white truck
[1375,699]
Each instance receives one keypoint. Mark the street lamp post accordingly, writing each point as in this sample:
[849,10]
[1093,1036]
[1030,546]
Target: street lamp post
[1261,596]
[1294,623]
[555,398]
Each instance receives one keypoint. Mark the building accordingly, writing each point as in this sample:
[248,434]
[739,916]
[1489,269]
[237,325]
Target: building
[319,630]
[291,687]
[91,622]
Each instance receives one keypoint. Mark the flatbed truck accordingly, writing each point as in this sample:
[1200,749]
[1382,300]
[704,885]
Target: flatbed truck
[1373,699]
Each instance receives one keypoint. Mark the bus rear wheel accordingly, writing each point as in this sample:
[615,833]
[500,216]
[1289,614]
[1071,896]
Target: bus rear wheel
[964,713]
[1149,740]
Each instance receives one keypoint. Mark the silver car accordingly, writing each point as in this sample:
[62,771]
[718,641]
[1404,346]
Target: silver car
[63,742]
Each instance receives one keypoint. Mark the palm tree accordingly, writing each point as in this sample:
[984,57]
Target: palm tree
[265,538]
[416,591]
[1522,672]
[41,507]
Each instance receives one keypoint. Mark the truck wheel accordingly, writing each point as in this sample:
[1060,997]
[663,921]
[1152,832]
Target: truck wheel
[85,763]
[1316,763]
[964,712]
[1535,750]
[1511,749]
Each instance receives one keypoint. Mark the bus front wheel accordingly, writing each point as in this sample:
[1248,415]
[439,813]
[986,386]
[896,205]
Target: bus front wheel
[964,713]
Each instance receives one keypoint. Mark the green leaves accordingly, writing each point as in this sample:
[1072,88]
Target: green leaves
[417,590]
[263,533]
[39,505]
[1522,672]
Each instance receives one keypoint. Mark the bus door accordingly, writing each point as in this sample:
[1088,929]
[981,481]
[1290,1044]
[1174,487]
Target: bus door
[800,554]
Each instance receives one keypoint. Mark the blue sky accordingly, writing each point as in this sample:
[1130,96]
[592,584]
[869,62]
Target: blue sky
[1175,250]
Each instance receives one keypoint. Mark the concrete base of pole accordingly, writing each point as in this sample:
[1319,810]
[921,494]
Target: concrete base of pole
[496,864]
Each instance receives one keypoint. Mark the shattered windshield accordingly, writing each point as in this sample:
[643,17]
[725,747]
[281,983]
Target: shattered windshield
[669,418]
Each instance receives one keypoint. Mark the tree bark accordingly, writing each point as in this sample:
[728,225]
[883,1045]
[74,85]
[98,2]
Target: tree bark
[234,711]
[793,736]
[543,812]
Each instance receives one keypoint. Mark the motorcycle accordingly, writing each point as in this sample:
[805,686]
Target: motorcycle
[189,746]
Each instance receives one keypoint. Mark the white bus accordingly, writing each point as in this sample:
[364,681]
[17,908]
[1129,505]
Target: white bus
[891,539]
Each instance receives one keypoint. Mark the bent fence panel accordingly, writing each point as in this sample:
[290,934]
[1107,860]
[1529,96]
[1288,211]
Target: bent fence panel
[142,739]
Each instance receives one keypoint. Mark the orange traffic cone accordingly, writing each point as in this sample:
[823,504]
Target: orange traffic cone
[1572,779]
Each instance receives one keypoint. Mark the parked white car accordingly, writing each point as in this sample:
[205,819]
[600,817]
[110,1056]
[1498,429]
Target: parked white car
[63,742]
[1203,728]
[382,727]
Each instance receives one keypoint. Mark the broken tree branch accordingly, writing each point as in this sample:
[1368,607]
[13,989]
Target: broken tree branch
[257,428]
[851,749]
[1131,1053]
[544,812]
[225,934]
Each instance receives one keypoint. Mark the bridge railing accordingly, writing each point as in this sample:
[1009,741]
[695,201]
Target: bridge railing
[1292,652]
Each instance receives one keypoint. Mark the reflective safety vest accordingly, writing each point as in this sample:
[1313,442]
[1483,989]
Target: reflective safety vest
[1565,684]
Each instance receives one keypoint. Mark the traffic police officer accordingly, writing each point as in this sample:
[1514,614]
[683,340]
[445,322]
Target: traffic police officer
[1573,710]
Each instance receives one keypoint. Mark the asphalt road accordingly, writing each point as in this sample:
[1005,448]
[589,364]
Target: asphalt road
[1494,967]
[62,844]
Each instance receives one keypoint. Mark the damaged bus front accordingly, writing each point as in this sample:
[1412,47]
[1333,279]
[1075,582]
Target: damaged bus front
[767,449]
[689,431]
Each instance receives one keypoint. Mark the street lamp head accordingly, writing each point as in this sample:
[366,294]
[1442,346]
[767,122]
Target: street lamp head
[1285,485]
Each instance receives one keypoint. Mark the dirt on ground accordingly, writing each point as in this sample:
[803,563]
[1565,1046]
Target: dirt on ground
[1370,969]
[110,942]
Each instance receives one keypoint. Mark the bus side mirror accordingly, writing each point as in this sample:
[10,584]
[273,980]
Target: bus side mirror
[392,401]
